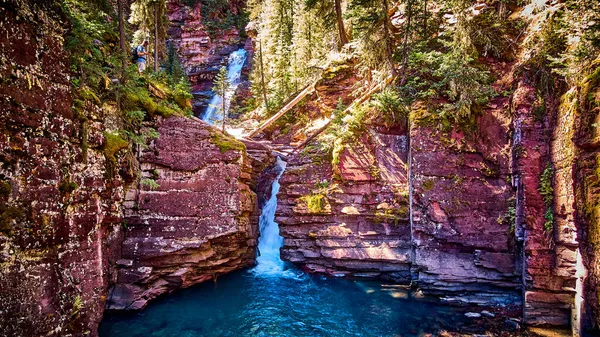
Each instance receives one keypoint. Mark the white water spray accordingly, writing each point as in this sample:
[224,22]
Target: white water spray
[235,64]
[269,243]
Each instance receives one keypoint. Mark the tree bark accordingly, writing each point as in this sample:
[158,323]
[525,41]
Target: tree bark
[156,37]
[262,76]
[340,23]
[223,105]
[122,42]
[405,44]
[388,37]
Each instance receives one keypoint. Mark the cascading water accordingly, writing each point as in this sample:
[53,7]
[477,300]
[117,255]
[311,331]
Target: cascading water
[269,242]
[235,64]
[275,299]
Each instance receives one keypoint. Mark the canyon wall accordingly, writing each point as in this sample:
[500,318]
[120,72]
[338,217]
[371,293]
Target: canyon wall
[74,217]
[60,210]
[199,221]
[498,212]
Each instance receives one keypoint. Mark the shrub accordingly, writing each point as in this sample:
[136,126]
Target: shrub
[150,183]
[315,203]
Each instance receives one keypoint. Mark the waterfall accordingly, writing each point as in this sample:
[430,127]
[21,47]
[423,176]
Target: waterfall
[269,242]
[235,63]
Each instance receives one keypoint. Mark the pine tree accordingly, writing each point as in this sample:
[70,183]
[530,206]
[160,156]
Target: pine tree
[220,85]
[331,14]
[371,20]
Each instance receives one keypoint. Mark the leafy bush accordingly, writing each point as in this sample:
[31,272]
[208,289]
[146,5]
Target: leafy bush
[315,203]
[150,183]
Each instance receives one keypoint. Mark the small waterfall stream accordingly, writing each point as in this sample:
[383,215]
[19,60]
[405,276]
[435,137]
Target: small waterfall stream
[235,64]
[269,242]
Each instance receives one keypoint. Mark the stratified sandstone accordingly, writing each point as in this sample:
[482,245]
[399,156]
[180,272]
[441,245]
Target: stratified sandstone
[199,222]
[362,226]
[60,213]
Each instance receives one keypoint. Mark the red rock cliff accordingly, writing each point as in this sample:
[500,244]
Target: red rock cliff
[199,221]
[60,213]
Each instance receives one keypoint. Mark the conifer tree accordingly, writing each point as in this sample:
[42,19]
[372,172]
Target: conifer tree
[220,85]
[331,14]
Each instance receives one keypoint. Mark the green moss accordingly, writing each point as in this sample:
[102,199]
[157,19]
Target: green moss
[5,188]
[150,183]
[547,191]
[113,143]
[315,203]
[67,186]
[428,185]
[226,143]
[393,214]
[165,111]
[7,215]
[149,105]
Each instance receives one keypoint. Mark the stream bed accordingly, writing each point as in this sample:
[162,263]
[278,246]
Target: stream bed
[276,299]
[248,304]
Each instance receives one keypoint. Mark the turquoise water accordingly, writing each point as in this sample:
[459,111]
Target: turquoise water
[247,304]
[276,299]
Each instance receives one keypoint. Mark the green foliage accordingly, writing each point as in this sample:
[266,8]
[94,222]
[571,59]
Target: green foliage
[226,143]
[77,306]
[449,77]
[322,184]
[217,17]
[67,186]
[315,203]
[220,85]
[5,188]
[91,44]
[373,40]
[113,143]
[389,106]
[150,183]
[547,191]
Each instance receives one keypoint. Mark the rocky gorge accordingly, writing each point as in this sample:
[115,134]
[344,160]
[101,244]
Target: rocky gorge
[92,222]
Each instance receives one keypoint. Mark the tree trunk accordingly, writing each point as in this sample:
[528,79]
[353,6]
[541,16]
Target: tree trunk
[156,37]
[340,23]
[223,106]
[262,76]
[388,37]
[405,44]
[122,42]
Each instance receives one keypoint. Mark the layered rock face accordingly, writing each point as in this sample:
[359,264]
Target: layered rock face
[464,245]
[199,221]
[549,250]
[586,169]
[454,245]
[359,227]
[501,214]
[60,213]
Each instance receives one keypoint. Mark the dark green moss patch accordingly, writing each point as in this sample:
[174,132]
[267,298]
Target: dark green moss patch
[428,185]
[5,188]
[67,186]
[7,215]
[113,143]
[227,143]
